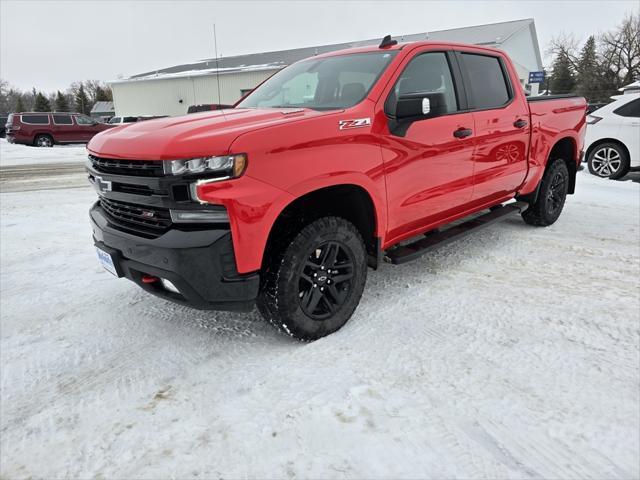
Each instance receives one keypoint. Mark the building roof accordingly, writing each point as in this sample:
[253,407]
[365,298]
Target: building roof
[102,107]
[492,35]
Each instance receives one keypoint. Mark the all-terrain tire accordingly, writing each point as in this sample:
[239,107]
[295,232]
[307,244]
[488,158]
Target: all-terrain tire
[298,270]
[608,160]
[551,197]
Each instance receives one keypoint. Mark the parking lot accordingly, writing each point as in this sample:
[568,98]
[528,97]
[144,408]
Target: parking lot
[512,353]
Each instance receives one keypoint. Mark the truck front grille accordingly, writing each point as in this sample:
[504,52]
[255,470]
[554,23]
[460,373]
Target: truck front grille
[139,168]
[146,221]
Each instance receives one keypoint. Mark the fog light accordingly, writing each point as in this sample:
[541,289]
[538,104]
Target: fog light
[169,286]
[199,216]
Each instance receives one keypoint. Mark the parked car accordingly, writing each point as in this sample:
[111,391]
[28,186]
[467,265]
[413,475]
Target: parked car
[612,143]
[3,127]
[207,107]
[44,129]
[122,120]
[289,201]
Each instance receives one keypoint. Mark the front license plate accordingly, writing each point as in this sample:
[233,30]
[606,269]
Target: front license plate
[106,261]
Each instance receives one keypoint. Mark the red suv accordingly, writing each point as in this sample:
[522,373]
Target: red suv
[44,129]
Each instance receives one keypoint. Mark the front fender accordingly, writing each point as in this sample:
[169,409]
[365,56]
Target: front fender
[253,207]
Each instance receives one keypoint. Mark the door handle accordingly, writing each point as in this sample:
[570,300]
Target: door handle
[463,132]
[520,123]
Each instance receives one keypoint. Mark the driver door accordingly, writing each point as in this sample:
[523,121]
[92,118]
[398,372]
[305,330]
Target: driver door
[428,166]
[85,127]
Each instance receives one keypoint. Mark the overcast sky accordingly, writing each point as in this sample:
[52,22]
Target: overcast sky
[48,44]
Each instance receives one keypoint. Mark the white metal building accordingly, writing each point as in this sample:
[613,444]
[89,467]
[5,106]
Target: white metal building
[170,91]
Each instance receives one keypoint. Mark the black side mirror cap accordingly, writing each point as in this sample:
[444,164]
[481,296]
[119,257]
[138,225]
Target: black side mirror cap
[420,105]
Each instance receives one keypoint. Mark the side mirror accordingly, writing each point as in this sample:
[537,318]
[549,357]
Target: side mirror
[418,106]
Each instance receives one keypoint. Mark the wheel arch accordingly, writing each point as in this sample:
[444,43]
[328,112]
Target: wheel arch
[41,133]
[350,201]
[566,149]
[602,141]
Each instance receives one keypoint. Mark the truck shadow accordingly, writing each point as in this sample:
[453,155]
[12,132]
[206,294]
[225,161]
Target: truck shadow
[390,284]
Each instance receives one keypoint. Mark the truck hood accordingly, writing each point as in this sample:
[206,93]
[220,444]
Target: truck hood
[189,136]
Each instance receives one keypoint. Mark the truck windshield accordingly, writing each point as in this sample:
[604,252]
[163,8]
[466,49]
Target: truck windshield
[330,83]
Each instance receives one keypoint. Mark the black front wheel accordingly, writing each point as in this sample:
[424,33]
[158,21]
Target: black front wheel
[312,286]
[551,197]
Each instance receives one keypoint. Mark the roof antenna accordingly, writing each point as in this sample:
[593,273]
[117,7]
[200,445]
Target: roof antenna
[387,42]
[215,46]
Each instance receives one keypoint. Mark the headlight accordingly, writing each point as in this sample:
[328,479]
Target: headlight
[229,166]
[592,119]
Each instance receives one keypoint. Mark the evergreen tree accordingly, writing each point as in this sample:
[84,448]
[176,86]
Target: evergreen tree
[83,105]
[563,79]
[102,94]
[41,103]
[588,80]
[61,103]
[19,105]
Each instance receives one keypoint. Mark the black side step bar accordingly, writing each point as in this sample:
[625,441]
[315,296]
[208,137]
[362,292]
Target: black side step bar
[411,251]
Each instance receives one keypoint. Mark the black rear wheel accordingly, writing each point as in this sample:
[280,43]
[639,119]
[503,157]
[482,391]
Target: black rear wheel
[312,286]
[551,197]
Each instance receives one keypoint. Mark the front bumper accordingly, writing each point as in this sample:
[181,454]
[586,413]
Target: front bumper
[201,264]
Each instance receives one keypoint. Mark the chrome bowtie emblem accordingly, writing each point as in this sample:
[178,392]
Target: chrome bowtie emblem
[147,214]
[102,185]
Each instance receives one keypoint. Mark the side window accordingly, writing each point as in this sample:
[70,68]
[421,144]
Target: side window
[62,120]
[84,120]
[487,81]
[35,119]
[426,73]
[631,109]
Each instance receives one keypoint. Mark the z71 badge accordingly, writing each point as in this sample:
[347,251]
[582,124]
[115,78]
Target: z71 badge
[357,123]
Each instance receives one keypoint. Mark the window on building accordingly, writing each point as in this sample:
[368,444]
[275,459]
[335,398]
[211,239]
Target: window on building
[62,120]
[488,84]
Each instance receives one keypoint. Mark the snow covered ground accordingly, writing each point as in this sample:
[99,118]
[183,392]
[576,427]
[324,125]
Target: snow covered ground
[13,154]
[512,353]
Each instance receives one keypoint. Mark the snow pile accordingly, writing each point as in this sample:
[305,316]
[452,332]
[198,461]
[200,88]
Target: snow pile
[513,353]
[16,154]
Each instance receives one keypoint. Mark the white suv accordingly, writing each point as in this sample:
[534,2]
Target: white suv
[612,144]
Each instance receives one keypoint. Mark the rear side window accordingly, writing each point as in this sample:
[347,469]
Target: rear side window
[487,81]
[62,120]
[35,119]
[631,109]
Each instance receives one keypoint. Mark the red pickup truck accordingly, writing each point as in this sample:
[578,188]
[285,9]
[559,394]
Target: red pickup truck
[332,165]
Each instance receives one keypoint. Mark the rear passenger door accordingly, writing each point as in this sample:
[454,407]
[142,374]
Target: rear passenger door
[501,118]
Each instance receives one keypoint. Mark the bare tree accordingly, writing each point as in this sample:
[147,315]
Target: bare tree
[620,50]
[565,45]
